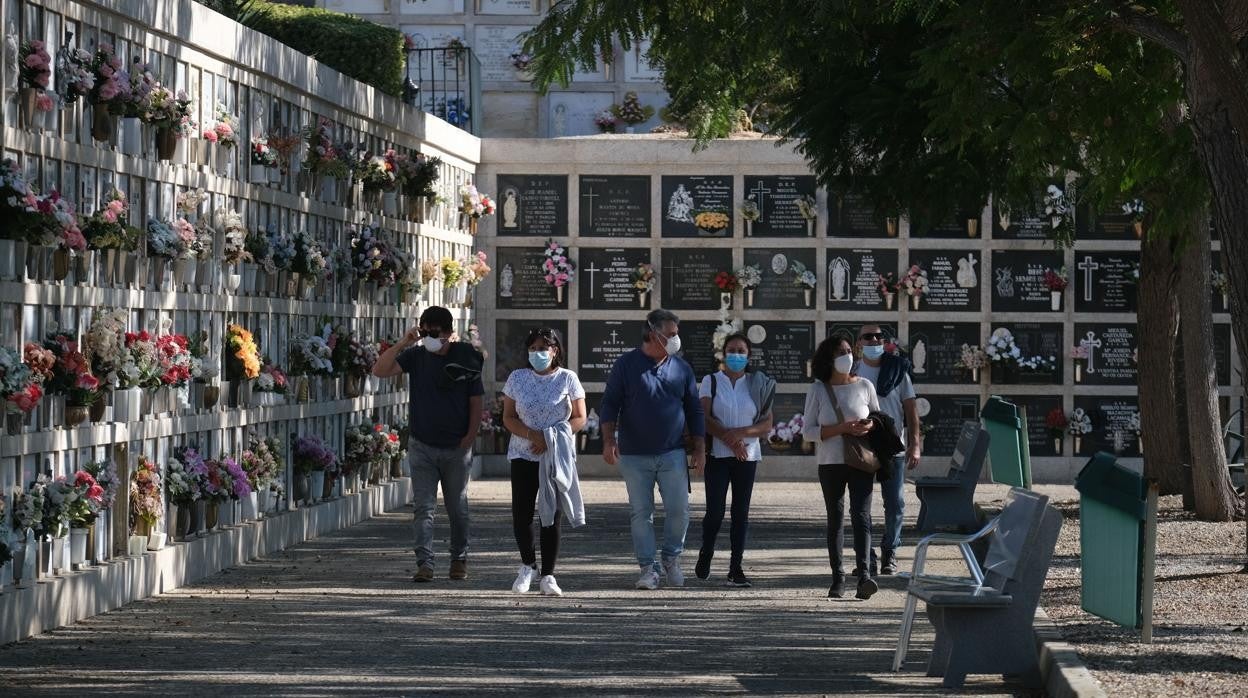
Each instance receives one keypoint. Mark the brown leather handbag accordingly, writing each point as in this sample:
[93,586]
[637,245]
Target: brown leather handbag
[858,453]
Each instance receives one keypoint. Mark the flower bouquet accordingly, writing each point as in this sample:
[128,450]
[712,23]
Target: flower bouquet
[205,368]
[1056,282]
[379,175]
[33,76]
[1134,210]
[521,61]
[473,205]
[1221,284]
[71,377]
[631,111]
[1080,426]
[804,279]
[711,222]
[74,76]
[807,210]
[1079,355]
[1003,354]
[242,355]
[146,504]
[109,229]
[784,434]
[171,115]
[643,279]
[750,213]
[605,121]
[20,390]
[914,284]
[886,285]
[109,92]
[1058,212]
[263,162]
[970,360]
[1057,424]
[726,283]
[311,458]
[558,269]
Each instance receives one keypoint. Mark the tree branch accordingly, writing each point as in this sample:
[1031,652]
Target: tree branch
[1154,30]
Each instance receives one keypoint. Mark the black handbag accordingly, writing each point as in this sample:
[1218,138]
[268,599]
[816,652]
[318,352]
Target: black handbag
[858,452]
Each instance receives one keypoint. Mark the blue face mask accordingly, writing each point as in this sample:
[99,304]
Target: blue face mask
[873,351]
[539,360]
[736,362]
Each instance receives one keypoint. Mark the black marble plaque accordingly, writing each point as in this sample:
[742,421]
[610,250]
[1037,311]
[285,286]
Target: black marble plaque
[785,407]
[687,277]
[1038,406]
[589,441]
[604,278]
[943,416]
[1039,339]
[509,350]
[685,196]
[850,216]
[521,282]
[1026,223]
[778,289]
[698,346]
[1113,425]
[952,279]
[936,347]
[853,278]
[1222,353]
[782,350]
[1111,353]
[963,225]
[1018,281]
[601,342]
[777,202]
[532,205]
[1105,282]
[1113,224]
[615,206]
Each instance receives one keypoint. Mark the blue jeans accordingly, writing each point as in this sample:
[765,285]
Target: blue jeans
[431,465]
[720,473]
[640,474]
[892,492]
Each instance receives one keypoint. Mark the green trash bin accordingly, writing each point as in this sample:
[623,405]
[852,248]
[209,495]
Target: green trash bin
[1008,449]
[1115,542]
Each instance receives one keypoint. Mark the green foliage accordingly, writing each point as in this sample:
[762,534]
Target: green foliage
[368,52]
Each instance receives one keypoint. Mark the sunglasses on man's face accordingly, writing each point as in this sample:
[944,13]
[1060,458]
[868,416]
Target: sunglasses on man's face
[872,336]
[435,333]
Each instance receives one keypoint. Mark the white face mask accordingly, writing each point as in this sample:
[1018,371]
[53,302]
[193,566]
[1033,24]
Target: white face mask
[843,363]
[432,344]
[671,345]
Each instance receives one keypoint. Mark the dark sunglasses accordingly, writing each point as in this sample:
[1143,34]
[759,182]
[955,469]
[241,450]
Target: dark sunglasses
[435,333]
[870,336]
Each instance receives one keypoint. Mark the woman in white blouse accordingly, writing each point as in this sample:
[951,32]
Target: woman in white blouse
[535,399]
[856,398]
[737,405]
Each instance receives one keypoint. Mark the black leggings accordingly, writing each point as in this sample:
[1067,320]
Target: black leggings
[523,505]
[835,479]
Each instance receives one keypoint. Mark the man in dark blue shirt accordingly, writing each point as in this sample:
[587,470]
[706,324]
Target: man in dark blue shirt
[444,412]
[651,400]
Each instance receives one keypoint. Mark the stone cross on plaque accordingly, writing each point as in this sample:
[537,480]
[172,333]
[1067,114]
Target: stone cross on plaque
[1091,342]
[761,193]
[590,196]
[592,269]
[671,268]
[1087,266]
[615,337]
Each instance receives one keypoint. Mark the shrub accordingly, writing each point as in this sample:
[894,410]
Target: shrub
[368,52]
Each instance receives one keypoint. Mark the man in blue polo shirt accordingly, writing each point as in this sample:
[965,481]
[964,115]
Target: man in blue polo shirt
[650,402]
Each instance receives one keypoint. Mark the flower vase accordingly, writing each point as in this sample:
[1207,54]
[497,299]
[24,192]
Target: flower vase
[259,174]
[232,277]
[97,409]
[77,546]
[84,264]
[1055,300]
[60,554]
[157,266]
[316,485]
[301,487]
[396,467]
[353,385]
[14,422]
[1078,444]
[806,294]
[156,540]
[329,488]
[642,299]
[224,158]
[182,521]
[103,124]
[972,227]
[559,294]
[212,514]
[390,203]
[212,393]
[630,129]
[725,300]
[75,415]
[184,270]
[28,98]
[293,284]
[975,375]
[251,506]
[250,273]
[1226,302]
[60,264]
[10,252]
[1138,228]
[329,190]
[127,405]
[1139,444]
[914,302]
[890,227]
[1078,372]
[749,298]
[1057,445]
[131,136]
[888,301]
[810,227]
[166,143]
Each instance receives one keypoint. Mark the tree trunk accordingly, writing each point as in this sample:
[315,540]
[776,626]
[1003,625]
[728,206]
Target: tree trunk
[1214,496]
[1158,319]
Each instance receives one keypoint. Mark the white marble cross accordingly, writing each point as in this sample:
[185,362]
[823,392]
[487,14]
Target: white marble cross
[671,268]
[615,337]
[760,193]
[1087,266]
[590,196]
[1091,342]
[591,269]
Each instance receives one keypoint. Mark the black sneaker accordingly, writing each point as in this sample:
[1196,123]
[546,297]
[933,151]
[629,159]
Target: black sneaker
[737,578]
[837,590]
[890,564]
[866,588]
[703,569]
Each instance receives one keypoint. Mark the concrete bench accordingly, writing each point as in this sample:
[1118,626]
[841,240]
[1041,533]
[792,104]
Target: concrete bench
[949,501]
[983,620]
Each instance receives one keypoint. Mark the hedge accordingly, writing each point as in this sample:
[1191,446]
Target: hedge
[368,52]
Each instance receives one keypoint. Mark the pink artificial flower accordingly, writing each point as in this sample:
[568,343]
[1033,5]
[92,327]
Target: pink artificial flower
[224,130]
[86,381]
[108,215]
[72,239]
[108,90]
[106,70]
[210,135]
[43,102]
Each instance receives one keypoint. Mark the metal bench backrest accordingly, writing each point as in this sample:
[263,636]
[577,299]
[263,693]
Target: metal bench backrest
[1017,527]
[968,456]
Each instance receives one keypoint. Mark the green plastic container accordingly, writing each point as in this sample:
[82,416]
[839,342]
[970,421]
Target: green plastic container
[1008,449]
[1113,509]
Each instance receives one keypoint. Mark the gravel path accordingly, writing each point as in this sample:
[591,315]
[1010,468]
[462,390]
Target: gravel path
[338,615]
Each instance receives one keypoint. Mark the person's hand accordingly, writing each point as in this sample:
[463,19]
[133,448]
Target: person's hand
[857,428]
[912,457]
[411,336]
[466,442]
[538,441]
[697,461]
[611,452]
[741,451]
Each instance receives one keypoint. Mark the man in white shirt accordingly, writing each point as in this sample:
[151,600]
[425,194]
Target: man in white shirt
[890,374]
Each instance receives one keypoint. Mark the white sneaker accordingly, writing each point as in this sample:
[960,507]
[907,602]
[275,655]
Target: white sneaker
[671,568]
[549,587]
[524,579]
[648,580]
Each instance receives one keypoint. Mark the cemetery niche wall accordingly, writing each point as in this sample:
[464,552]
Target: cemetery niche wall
[943,290]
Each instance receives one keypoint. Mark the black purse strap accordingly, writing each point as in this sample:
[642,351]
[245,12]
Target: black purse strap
[836,406]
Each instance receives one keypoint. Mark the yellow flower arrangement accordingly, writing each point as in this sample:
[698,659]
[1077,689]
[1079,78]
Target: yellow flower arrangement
[453,271]
[242,348]
[711,220]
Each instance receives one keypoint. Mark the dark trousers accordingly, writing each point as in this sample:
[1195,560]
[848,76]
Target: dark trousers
[523,505]
[835,479]
[720,473]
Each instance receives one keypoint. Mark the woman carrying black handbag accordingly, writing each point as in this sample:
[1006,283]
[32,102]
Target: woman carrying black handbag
[836,420]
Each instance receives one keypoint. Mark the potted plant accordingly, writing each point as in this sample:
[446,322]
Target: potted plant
[914,284]
[1080,426]
[726,283]
[1056,282]
[605,121]
[971,360]
[806,208]
[109,231]
[311,458]
[631,111]
[259,468]
[170,114]
[750,277]
[224,136]
[84,507]
[1057,424]
[263,162]
[1134,209]
[104,346]
[804,279]
[59,496]
[558,269]
[71,377]
[146,504]
[33,75]
[784,434]
[750,213]
[185,481]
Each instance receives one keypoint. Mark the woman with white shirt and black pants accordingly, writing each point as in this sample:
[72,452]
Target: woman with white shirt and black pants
[831,366]
[737,404]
